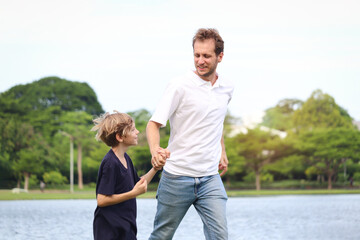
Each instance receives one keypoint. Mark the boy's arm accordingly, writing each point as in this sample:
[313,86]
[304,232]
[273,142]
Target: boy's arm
[108,200]
[149,175]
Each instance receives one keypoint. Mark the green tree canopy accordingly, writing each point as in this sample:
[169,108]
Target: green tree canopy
[321,111]
[280,116]
[47,92]
[259,148]
[43,107]
[326,149]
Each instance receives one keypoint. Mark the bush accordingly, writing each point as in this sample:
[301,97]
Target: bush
[92,185]
[264,178]
[341,178]
[356,176]
[33,181]
[54,178]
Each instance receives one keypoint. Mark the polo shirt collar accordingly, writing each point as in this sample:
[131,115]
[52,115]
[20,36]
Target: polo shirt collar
[201,82]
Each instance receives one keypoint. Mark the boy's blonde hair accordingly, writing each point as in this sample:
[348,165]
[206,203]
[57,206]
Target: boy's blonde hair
[108,125]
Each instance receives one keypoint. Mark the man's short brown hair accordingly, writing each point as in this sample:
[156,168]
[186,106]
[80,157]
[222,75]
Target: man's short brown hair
[210,33]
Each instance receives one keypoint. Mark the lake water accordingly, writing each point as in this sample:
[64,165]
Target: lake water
[280,217]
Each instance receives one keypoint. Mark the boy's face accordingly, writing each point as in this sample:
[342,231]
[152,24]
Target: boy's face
[131,138]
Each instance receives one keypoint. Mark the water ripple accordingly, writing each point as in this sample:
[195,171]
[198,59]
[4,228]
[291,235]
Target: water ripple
[275,218]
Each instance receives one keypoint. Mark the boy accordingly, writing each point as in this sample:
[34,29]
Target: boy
[118,184]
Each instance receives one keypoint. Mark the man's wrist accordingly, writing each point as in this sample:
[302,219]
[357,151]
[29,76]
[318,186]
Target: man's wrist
[154,150]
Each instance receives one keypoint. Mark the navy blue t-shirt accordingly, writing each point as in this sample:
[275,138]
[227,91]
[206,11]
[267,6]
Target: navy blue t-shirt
[116,221]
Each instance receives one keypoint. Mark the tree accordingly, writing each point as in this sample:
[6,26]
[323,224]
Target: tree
[326,149]
[259,148]
[6,153]
[31,159]
[43,105]
[92,160]
[236,168]
[140,154]
[141,118]
[47,92]
[23,151]
[321,111]
[280,116]
[46,121]
[78,125]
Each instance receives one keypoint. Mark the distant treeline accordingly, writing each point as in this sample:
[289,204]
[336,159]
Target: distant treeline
[314,140]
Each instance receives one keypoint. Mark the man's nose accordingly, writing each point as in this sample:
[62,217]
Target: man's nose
[201,60]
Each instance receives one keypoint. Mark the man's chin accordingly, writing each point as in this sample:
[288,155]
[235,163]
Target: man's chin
[202,74]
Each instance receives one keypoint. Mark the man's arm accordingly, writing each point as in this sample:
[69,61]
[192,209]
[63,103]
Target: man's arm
[153,137]
[223,165]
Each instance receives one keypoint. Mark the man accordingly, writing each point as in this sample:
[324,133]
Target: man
[196,105]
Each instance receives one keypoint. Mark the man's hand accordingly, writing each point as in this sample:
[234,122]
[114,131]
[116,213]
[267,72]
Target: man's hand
[223,165]
[159,157]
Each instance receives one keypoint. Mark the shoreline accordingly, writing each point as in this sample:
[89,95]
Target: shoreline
[52,194]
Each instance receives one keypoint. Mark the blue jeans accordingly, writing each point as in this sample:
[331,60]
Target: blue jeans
[177,193]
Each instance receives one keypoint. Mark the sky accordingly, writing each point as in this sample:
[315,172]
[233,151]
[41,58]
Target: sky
[128,50]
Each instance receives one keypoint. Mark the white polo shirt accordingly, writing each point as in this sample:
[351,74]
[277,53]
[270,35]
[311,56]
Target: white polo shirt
[196,111]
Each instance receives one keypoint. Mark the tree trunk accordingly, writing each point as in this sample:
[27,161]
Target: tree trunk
[26,183]
[79,160]
[228,183]
[330,181]
[257,181]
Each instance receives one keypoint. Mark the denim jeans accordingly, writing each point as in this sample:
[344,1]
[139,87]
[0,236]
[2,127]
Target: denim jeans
[177,193]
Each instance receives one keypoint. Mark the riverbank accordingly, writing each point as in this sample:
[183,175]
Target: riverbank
[90,194]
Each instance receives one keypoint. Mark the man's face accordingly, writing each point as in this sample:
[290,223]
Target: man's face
[205,58]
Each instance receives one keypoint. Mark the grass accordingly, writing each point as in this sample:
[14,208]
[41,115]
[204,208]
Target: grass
[90,194]
[249,193]
[56,194]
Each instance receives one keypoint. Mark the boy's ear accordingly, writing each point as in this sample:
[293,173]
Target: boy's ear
[119,138]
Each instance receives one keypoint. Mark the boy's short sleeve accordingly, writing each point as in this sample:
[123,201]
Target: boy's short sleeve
[107,180]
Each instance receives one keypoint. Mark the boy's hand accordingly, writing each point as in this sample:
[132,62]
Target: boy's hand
[164,153]
[140,187]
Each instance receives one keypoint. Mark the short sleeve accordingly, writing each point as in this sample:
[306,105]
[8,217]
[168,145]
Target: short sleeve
[107,180]
[168,104]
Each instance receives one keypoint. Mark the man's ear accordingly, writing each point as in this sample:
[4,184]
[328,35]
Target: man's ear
[220,57]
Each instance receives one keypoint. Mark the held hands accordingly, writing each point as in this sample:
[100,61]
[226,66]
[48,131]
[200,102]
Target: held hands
[159,157]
